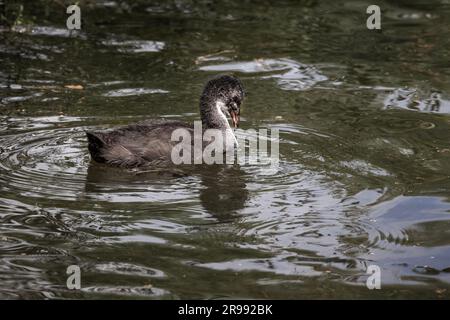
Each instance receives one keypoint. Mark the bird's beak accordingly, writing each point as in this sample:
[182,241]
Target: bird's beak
[234,118]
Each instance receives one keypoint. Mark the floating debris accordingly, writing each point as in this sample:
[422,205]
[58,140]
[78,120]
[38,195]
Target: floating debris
[74,86]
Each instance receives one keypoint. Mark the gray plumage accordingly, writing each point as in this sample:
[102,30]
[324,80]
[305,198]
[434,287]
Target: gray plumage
[149,142]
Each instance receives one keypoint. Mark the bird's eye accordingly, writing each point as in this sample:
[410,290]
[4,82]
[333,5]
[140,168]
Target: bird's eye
[233,106]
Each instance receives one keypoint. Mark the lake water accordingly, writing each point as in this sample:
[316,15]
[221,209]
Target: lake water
[364,172]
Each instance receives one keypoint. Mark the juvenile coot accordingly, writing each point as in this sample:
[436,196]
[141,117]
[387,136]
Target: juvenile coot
[149,142]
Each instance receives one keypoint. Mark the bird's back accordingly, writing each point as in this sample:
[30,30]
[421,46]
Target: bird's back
[144,143]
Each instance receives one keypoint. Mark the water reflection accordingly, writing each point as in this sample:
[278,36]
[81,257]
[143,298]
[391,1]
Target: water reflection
[224,191]
[290,74]
[221,190]
[413,99]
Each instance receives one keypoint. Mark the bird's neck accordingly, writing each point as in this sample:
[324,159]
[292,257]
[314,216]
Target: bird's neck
[213,116]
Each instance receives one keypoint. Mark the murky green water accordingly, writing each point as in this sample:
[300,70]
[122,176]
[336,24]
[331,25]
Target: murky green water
[364,120]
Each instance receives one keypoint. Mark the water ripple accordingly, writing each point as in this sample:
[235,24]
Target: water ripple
[290,74]
[136,46]
[132,92]
[416,100]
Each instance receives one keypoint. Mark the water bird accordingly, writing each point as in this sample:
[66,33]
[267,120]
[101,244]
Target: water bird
[149,142]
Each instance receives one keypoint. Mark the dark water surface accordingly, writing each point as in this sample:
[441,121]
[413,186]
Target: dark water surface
[364,175]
